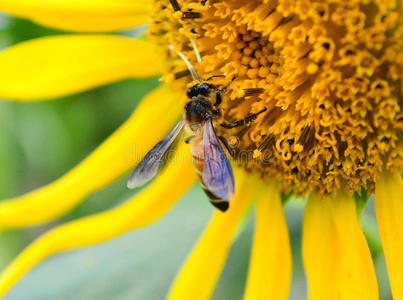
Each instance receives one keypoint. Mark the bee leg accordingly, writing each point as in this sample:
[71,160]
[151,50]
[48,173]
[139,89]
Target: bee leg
[218,98]
[226,145]
[187,141]
[216,113]
[214,76]
[245,121]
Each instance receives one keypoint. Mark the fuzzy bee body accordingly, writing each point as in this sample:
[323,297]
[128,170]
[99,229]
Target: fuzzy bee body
[197,149]
[200,115]
[210,160]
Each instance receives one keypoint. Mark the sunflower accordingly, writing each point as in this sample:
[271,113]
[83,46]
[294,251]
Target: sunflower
[329,77]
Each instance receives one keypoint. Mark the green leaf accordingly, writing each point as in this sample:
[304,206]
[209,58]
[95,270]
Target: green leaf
[285,197]
[372,236]
[361,200]
[11,244]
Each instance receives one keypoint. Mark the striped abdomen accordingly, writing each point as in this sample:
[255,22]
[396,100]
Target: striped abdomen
[197,149]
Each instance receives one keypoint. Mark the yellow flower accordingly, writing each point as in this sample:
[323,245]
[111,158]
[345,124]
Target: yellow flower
[330,75]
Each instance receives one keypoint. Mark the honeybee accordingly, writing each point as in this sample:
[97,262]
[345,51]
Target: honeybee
[200,118]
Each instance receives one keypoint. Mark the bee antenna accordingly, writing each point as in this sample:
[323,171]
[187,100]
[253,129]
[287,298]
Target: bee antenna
[192,70]
[198,57]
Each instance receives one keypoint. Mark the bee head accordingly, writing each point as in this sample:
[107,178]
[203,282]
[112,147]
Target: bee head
[203,89]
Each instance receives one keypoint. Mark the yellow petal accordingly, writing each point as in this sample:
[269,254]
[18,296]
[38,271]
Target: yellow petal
[389,215]
[198,276]
[320,250]
[357,278]
[81,15]
[150,122]
[270,265]
[143,209]
[336,257]
[60,65]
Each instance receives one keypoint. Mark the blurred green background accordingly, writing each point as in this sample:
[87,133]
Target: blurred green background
[41,141]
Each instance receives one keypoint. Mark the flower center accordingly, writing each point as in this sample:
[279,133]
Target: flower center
[329,74]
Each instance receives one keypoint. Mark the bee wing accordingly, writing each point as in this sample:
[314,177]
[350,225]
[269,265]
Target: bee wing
[217,171]
[149,166]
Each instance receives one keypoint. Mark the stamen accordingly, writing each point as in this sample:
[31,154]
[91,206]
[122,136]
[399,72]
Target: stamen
[242,132]
[253,92]
[266,143]
[191,15]
[181,74]
[175,5]
[304,135]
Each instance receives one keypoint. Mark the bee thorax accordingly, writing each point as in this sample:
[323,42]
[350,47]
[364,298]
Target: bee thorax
[197,110]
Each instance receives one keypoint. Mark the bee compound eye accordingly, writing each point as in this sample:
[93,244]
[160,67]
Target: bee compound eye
[189,93]
[204,89]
